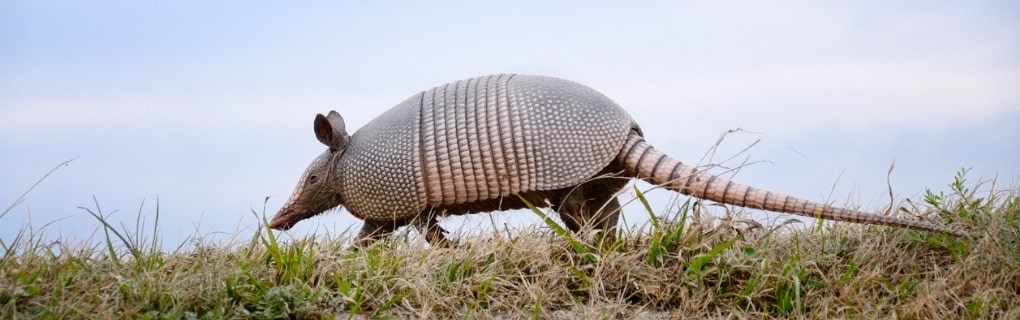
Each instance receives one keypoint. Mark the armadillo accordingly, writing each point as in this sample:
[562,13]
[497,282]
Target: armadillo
[498,142]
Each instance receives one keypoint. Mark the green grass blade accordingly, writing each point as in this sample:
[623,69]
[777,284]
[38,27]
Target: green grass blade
[579,248]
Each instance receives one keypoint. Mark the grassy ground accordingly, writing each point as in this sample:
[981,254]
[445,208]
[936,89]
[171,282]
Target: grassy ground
[687,265]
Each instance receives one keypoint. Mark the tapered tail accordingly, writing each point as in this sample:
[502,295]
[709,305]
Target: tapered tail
[644,161]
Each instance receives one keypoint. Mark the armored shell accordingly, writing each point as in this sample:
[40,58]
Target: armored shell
[478,139]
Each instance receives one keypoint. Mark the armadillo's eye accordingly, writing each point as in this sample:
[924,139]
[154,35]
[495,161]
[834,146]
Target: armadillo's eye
[313,178]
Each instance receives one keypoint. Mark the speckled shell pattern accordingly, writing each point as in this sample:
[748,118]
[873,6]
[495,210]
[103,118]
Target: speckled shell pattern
[479,139]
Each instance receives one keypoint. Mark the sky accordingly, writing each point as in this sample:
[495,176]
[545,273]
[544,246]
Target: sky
[205,108]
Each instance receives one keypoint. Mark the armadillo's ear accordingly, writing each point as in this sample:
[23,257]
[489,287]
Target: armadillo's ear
[330,131]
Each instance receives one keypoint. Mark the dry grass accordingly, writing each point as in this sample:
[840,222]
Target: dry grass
[687,265]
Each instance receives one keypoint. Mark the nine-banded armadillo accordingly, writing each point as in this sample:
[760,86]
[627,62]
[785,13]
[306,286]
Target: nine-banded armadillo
[485,143]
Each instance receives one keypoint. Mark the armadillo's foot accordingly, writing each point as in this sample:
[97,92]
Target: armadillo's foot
[607,238]
[430,229]
[361,244]
[437,240]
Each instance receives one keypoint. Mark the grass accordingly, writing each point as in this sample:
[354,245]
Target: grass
[689,264]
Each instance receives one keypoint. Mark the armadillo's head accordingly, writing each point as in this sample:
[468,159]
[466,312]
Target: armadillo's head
[318,190]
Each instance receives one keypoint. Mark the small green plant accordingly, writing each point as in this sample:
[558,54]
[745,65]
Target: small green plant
[663,240]
[579,248]
[294,262]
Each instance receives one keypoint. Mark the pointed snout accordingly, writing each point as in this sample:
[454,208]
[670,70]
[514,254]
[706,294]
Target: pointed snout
[283,220]
[289,215]
[294,212]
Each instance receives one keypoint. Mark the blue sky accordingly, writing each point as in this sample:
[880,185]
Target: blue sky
[209,106]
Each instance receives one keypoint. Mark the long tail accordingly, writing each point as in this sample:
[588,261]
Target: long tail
[644,161]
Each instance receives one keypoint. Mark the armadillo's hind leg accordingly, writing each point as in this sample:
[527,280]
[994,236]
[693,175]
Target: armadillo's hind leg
[372,231]
[593,204]
[428,226]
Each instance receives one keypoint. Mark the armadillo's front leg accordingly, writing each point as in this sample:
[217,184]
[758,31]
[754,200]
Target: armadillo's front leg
[372,231]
